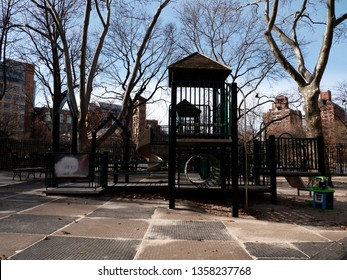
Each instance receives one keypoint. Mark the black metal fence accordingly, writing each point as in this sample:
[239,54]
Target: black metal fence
[292,154]
[22,153]
[337,157]
[297,155]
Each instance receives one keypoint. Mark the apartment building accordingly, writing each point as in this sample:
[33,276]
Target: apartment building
[281,119]
[333,119]
[16,105]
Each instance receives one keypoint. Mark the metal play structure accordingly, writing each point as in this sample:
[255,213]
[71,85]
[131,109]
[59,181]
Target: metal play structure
[203,138]
[201,143]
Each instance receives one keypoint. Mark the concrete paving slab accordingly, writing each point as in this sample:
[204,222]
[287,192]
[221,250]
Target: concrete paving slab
[140,202]
[6,179]
[115,204]
[76,189]
[336,251]
[4,194]
[130,212]
[35,224]
[273,251]
[62,209]
[30,197]
[191,250]
[163,213]
[6,213]
[188,230]
[16,205]
[81,200]
[333,235]
[312,248]
[248,230]
[23,186]
[10,243]
[106,228]
[79,248]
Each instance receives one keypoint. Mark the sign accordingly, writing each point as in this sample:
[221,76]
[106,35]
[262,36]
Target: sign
[71,166]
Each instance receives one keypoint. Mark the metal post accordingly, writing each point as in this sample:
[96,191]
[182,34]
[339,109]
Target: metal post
[234,151]
[257,161]
[104,170]
[93,141]
[246,155]
[321,155]
[172,147]
[271,157]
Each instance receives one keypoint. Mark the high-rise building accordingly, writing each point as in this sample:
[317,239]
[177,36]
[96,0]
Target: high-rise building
[19,96]
[333,119]
[281,119]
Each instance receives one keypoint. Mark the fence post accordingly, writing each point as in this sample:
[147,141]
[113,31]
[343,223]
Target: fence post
[256,161]
[271,156]
[115,171]
[104,169]
[321,155]
[234,152]
[172,147]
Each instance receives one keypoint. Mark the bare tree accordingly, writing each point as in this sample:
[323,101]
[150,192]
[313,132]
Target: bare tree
[285,21]
[341,89]
[139,51]
[9,9]
[45,51]
[84,77]
[232,36]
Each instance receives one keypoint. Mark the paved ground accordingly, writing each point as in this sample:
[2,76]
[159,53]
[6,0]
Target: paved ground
[35,226]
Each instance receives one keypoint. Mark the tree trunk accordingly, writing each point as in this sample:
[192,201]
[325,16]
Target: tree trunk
[83,141]
[312,111]
[313,120]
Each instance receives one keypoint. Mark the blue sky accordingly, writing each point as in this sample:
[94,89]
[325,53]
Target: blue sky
[336,71]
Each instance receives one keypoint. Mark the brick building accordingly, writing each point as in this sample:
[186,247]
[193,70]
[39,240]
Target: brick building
[16,106]
[281,119]
[42,124]
[333,119]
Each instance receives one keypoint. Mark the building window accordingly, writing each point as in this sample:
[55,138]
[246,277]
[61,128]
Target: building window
[47,117]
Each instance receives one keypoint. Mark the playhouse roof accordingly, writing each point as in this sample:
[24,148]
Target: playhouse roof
[197,67]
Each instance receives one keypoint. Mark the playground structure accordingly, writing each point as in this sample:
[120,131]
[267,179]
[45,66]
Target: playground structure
[154,162]
[202,143]
[202,126]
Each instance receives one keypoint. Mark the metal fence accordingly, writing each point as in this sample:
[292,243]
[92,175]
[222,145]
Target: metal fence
[22,153]
[293,154]
[337,157]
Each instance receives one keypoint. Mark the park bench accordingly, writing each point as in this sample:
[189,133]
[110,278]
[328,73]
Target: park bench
[30,171]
